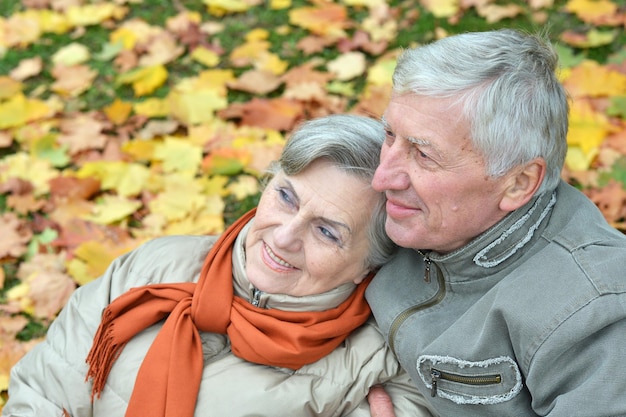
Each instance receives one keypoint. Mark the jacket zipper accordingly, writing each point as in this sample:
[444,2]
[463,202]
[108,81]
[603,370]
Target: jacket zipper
[435,299]
[438,375]
[256,297]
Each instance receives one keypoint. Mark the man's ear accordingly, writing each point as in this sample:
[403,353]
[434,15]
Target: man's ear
[523,184]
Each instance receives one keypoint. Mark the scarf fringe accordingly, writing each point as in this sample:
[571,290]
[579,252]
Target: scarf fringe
[102,355]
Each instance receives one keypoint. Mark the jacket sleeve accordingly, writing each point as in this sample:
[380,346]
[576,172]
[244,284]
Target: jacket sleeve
[407,400]
[51,377]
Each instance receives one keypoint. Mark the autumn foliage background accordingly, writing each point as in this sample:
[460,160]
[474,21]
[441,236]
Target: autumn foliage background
[124,120]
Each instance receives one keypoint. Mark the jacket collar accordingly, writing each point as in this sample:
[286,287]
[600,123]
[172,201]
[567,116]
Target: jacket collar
[502,244]
[244,289]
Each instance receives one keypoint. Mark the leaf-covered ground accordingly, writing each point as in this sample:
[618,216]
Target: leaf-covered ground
[124,120]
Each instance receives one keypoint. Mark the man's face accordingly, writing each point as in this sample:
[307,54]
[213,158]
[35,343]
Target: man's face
[439,196]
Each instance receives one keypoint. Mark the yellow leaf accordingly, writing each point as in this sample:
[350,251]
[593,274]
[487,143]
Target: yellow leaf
[127,178]
[180,197]
[221,7]
[205,56]
[257,34]
[577,160]
[140,150]
[72,54]
[20,110]
[93,14]
[152,107]
[178,155]
[20,294]
[144,80]
[21,165]
[151,78]
[9,87]
[589,10]
[92,258]
[441,8]
[50,21]
[595,80]
[280,4]
[118,111]
[195,100]
[348,65]
[112,209]
[587,130]
[381,72]
[124,36]
[215,185]
[208,219]
[244,186]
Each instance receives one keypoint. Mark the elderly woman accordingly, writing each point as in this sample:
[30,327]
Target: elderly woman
[268,319]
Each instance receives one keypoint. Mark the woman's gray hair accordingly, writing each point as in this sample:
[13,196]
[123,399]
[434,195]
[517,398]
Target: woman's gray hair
[352,143]
[510,95]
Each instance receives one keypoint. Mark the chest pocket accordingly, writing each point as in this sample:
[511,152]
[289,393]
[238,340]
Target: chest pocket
[490,381]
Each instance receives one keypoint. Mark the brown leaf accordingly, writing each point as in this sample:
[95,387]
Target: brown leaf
[15,235]
[74,188]
[255,82]
[279,114]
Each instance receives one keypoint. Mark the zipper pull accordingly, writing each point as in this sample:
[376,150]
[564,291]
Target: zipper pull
[256,297]
[427,263]
[435,375]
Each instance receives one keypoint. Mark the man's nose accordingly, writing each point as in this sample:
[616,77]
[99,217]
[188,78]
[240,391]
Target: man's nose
[392,172]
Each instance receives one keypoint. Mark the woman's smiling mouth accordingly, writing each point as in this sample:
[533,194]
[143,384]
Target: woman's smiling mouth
[275,260]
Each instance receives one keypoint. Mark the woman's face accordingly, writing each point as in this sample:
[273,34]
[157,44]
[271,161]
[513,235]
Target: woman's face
[310,231]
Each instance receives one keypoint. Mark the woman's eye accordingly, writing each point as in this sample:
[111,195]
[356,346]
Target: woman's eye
[285,195]
[327,233]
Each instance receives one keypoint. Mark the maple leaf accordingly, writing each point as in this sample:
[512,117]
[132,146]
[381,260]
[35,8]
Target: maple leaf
[27,68]
[49,286]
[348,66]
[110,209]
[278,114]
[591,11]
[441,8]
[594,80]
[92,258]
[144,80]
[178,155]
[587,131]
[15,235]
[72,80]
[24,166]
[118,111]
[80,132]
[326,19]
[126,178]
[19,110]
[72,54]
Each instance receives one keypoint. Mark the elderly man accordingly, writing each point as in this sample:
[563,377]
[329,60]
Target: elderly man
[509,295]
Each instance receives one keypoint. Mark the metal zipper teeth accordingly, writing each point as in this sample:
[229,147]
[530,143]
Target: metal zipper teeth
[466,379]
[436,299]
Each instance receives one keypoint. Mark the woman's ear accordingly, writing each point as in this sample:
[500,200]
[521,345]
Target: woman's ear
[523,184]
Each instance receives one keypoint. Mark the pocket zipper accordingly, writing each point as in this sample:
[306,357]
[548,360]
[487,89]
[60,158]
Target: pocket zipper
[437,375]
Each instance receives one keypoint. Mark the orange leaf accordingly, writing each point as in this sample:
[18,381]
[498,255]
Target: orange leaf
[118,111]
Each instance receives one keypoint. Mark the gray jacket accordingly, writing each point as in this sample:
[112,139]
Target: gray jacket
[52,376]
[528,319]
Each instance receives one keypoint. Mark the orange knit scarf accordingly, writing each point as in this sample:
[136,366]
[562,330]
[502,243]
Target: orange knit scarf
[169,378]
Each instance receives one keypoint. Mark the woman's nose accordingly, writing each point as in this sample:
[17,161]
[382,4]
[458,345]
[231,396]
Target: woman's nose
[288,235]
